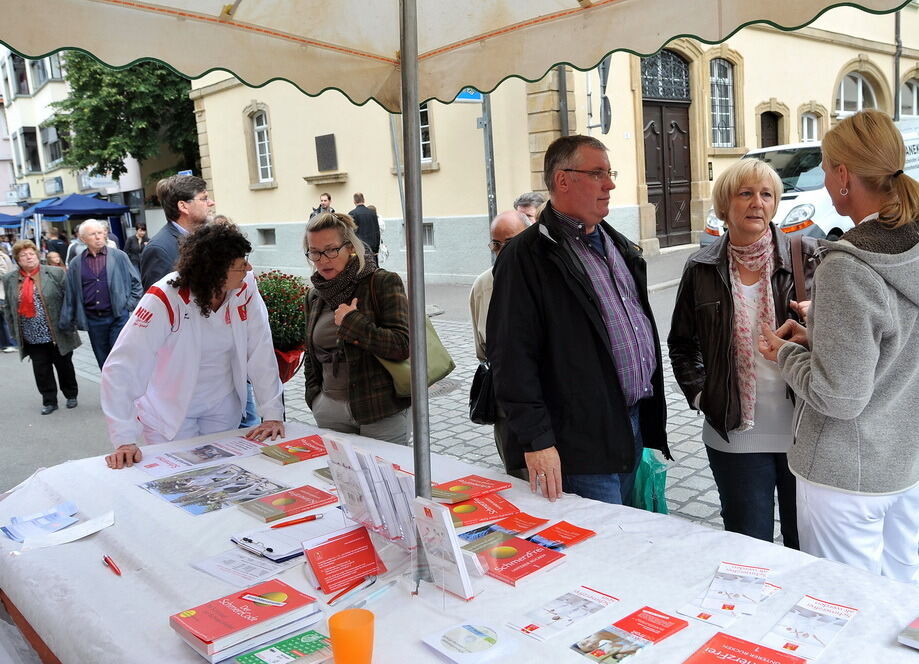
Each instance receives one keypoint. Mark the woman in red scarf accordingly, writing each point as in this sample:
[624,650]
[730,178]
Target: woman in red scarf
[728,289]
[34,295]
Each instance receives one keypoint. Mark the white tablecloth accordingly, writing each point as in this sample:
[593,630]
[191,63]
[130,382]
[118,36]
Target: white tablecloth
[86,614]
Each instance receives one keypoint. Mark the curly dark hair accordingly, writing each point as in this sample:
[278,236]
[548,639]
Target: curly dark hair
[205,256]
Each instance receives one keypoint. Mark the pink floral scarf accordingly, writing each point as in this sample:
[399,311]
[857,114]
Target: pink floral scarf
[757,257]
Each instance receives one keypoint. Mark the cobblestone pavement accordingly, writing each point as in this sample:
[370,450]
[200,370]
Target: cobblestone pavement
[691,491]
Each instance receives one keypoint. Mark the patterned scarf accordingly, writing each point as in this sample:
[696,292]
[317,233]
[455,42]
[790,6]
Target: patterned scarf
[757,257]
[340,288]
[27,293]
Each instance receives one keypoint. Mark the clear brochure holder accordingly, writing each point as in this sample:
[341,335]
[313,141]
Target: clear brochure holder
[414,537]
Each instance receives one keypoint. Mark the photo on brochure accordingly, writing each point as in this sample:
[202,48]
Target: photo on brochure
[213,488]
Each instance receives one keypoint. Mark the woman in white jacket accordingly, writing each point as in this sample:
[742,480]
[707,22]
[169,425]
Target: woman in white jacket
[180,366]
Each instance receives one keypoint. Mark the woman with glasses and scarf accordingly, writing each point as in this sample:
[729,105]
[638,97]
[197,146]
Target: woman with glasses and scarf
[355,312]
[727,291]
[180,365]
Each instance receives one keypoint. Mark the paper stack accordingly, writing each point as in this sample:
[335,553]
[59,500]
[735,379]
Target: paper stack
[244,620]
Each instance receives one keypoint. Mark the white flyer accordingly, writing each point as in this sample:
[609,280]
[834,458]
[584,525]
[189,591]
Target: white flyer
[722,618]
[198,456]
[71,534]
[808,627]
[242,569]
[561,613]
[735,589]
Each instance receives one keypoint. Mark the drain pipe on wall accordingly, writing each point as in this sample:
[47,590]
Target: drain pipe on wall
[898,53]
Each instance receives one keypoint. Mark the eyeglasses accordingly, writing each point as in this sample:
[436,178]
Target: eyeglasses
[205,199]
[597,174]
[495,245]
[330,253]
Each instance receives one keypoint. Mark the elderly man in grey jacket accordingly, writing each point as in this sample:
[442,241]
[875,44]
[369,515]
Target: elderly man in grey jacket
[102,288]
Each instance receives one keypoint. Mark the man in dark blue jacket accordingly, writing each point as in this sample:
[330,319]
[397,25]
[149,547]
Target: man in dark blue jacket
[187,206]
[572,341]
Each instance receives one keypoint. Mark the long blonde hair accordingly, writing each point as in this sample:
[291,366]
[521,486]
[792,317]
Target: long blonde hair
[871,147]
[346,228]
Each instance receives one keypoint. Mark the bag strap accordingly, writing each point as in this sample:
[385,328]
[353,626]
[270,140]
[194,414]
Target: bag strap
[797,267]
[373,296]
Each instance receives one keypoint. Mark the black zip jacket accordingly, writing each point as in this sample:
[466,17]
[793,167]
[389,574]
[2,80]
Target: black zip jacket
[701,332]
[551,359]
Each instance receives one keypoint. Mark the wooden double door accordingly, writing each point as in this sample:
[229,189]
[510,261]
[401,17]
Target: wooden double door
[667,169]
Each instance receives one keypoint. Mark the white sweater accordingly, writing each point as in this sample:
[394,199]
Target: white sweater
[152,371]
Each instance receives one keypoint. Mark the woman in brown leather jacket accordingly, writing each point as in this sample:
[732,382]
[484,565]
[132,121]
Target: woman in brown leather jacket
[727,290]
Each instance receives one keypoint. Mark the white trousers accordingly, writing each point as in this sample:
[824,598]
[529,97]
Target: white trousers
[876,533]
[221,417]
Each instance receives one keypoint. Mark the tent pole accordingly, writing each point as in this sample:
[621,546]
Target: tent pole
[411,151]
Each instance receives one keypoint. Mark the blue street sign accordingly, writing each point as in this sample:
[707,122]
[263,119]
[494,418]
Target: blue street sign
[469,95]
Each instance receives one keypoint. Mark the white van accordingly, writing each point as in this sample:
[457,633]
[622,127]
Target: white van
[805,207]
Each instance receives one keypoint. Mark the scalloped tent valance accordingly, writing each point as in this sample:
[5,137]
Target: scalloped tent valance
[353,45]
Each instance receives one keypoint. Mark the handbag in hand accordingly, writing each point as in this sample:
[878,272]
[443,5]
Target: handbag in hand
[440,364]
[482,396]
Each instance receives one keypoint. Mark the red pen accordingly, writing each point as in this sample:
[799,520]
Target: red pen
[311,517]
[108,562]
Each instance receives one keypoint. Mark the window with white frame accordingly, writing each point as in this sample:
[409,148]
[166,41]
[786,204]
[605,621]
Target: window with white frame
[53,146]
[20,81]
[54,65]
[40,74]
[855,94]
[810,127]
[17,156]
[723,123]
[30,151]
[7,87]
[262,146]
[909,99]
[425,122]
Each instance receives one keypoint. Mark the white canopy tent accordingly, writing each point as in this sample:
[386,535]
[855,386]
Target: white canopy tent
[393,52]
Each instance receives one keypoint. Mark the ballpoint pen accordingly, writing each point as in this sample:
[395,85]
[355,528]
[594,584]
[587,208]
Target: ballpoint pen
[108,562]
[373,596]
[311,517]
[361,584]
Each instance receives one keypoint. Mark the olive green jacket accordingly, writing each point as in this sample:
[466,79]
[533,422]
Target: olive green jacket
[51,281]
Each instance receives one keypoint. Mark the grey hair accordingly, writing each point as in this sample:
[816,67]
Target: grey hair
[530,198]
[346,228]
[561,152]
[87,222]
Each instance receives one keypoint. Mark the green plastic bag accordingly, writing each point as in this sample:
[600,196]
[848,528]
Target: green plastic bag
[650,484]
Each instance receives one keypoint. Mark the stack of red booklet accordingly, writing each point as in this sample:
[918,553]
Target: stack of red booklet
[244,620]
[292,451]
[466,488]
[288,503]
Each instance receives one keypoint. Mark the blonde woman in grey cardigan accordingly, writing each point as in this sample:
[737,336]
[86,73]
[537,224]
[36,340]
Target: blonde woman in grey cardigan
[855,367]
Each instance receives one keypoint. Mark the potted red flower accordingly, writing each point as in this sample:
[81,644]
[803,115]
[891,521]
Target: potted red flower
[284,296]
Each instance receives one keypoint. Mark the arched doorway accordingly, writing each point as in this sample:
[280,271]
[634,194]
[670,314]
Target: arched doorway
[665,105]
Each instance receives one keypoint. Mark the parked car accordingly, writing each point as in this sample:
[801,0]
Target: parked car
[805,207]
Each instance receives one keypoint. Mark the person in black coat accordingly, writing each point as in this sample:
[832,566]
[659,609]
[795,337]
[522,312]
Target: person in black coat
[187,206]
[135,245]
[368,224]
[572,341]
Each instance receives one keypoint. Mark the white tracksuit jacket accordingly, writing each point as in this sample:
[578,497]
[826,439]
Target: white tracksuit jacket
[151,373]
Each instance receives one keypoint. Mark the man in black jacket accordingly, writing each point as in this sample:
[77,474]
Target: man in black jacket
[187,206]
[572,341]
[368,224]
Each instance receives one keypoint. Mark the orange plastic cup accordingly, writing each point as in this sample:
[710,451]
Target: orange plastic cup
[351,632]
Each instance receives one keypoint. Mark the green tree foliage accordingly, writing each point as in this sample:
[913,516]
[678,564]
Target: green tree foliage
[114,114]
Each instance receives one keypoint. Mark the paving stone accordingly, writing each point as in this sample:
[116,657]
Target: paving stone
[697,511]
[681,494]
[697,483]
